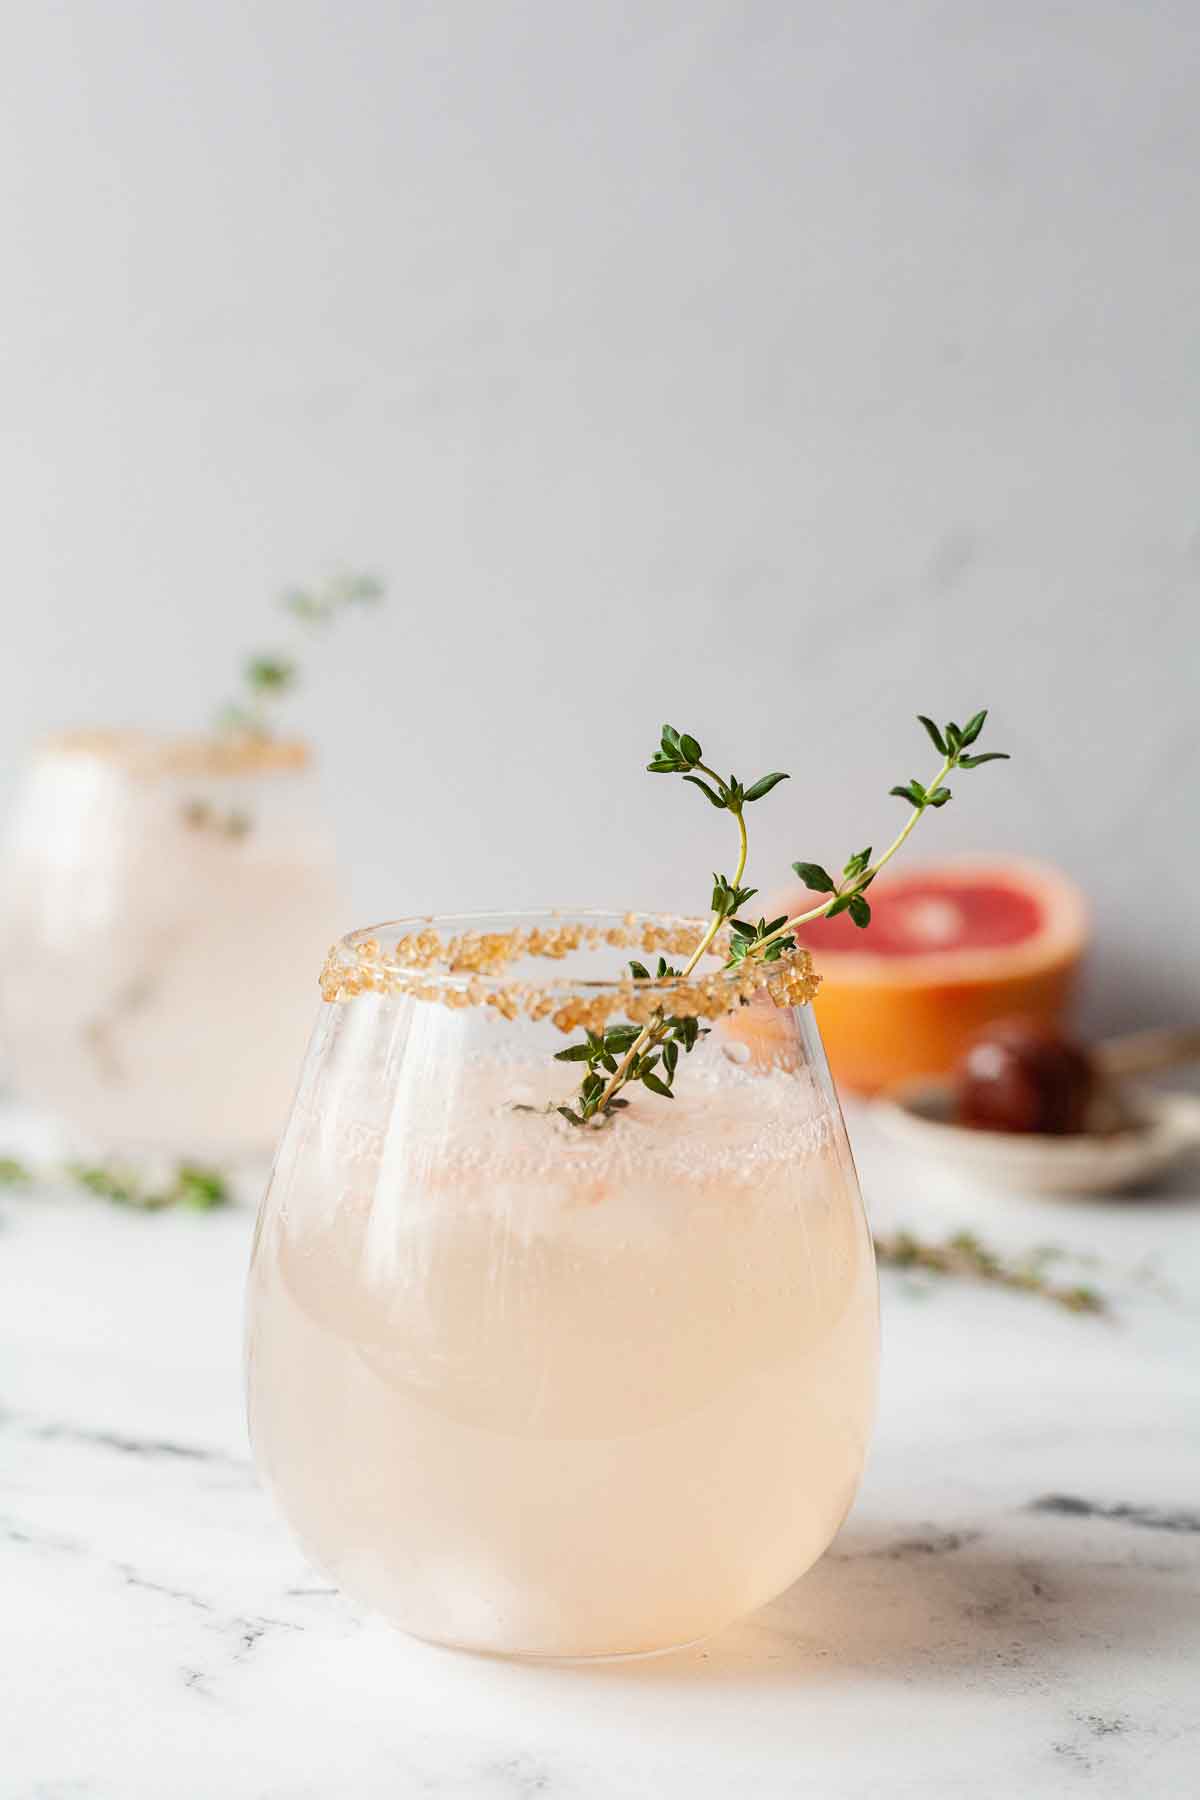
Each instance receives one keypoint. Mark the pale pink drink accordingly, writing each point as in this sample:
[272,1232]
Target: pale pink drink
[162,904]
[551,1391]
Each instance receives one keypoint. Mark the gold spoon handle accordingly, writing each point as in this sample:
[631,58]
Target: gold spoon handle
[1145,1052]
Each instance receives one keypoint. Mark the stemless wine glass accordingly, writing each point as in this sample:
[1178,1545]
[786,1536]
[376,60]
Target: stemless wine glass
[161,899]
[544,1389]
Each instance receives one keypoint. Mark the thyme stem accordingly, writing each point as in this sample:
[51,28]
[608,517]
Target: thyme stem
[649,1053]
[897,843]
[648,1032]
[964,1255]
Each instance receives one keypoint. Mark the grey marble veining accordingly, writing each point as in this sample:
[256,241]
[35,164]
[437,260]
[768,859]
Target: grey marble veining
[1012,1609]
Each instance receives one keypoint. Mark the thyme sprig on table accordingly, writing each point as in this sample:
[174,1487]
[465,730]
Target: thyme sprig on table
[649,1054]
[190,1184]
[965,1256]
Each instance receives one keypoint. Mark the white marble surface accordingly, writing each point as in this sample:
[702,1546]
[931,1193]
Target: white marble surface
[162,1636]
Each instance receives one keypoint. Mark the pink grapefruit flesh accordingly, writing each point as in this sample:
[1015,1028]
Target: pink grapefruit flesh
[950,948]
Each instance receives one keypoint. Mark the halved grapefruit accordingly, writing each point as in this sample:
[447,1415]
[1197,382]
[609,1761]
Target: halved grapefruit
[951,947]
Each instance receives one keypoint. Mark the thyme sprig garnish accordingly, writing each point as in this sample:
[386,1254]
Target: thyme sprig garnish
[649,1054]
[652,1063]
[268,676]
[849,894]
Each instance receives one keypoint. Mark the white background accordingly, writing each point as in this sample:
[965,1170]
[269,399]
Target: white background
[779,369]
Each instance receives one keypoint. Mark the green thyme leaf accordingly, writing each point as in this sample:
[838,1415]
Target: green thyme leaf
[939,742]
[108,1183]
[714,798]
[723,900]
[359,590]
[199,1187]
[656,1086]
[764,785]
[640,971]
[573,1053]
[321,606]
[815,877]
[974,762]
[1080,1299]
[270,674]
[859,910]
[973,727]
[302,605]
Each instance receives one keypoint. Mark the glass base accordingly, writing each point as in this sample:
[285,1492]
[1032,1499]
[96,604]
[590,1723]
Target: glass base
[550,1658]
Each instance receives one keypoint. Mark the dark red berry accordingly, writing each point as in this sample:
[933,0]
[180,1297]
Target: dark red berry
[1022,1076]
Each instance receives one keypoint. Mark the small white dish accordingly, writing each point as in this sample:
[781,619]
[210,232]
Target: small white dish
[1163,1128]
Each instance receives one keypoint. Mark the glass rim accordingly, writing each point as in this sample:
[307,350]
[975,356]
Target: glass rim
[454,952]
[142,752]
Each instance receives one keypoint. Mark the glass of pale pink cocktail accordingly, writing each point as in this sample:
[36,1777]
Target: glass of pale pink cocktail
[547,1390]
[162,904]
